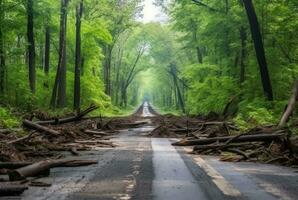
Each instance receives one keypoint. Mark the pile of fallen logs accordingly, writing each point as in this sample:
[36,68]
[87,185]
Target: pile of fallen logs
[42,145]
[270,144]
[21,173]
[262,146]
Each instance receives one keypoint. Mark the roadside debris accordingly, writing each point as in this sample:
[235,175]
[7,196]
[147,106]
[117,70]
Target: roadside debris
[43,145]
[214,136]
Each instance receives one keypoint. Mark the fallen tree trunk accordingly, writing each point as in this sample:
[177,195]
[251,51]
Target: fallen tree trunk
[69,119]
[244,138]
[21,139]
[133,124]
[11,189]
[220,146]
[13,165]
[290,107]
[95,132]
[42,166]
[32,125]
[71,163]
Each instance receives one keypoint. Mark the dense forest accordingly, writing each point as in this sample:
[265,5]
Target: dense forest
[233,57]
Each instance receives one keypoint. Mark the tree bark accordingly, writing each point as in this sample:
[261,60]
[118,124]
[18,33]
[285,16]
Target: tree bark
[59,89]
[38,127]
[173,71]
[107,69]
[259,48]
[47,49]
[243,38]
[290,107]
[77,81]
[31,45]
[2,51]
[39,167]
[244,138]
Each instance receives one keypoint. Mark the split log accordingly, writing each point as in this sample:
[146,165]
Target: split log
[11,189]
[244,138]
[42,166]
[35,126]
[290,107]
[69,119]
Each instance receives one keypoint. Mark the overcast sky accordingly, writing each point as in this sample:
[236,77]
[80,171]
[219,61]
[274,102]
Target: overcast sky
[152,13]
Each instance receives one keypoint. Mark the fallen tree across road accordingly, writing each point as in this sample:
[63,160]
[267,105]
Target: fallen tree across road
[243,138]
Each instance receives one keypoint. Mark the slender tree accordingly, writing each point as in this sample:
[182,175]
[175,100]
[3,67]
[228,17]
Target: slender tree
[31,45]
[259,48]
[77,93]
[2,52]
[47,49]
[59,89]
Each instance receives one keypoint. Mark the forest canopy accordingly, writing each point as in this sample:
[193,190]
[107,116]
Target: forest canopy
[237,58]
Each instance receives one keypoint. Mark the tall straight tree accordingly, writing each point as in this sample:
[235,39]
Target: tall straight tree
[77,81]
[47,49]
[31,45]
[59,90]
[259,48]
[2,52]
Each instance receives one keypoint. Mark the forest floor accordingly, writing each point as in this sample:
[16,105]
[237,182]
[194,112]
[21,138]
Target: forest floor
[133,158]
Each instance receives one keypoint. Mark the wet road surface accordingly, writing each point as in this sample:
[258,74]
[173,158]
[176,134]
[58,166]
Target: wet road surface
[144,168]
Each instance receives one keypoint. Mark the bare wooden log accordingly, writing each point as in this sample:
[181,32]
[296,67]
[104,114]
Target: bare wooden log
[73,151]
[11,189]
[30,170]
[39,167]
[239,152]
[133,124]
[32,125]
[95,132]
[13,165]
[26,137]
[244,138]
[290,107]
[71,163]
[69,119]
[221,146]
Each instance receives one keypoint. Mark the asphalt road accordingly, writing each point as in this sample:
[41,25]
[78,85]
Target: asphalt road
[142,168]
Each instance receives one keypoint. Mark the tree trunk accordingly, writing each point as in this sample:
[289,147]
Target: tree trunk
[290,107]
[31,45]
[243,138]
[259,48]
[107,69]
[61,95]
[59,89]
[180,97]
[2,52]
[47,50]
[77,81]
[243,37]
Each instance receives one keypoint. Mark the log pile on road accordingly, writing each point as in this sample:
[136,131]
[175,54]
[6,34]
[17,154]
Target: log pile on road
[43,144]
[270,144]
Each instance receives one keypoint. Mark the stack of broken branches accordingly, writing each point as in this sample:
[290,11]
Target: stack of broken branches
[40,147]
[267,144]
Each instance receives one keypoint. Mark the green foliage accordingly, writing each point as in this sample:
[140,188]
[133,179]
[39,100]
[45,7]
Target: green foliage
[7,119]
[209,91]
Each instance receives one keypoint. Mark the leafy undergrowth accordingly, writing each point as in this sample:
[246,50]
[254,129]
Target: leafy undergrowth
[8,119]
